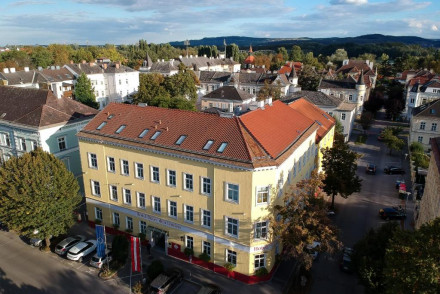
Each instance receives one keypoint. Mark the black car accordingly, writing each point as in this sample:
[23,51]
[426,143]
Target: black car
[371,169]
[392,170]
[166,282]
[346,264]
[209,289]
[392,213]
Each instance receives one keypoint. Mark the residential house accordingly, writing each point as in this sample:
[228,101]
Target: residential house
[333,105]
[31,118]
[429,206]
[112,82]
[425,123]
[227,98]
[355,68]
[253,82]
[289,66]
[212,80]
[421,90]
[197,180]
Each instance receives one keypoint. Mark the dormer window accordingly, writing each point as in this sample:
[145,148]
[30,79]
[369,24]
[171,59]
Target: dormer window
[208,145]
[318,122]
[155,135]
[120,129]
[143,133]
[181,139]
[222,147]
[101,125]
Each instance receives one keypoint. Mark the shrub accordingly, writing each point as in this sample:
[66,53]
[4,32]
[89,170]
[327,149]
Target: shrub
[116,226]
[142,236]
[262,271]
[188,251]
[229,266]
[98,221]
[205,257]
[129,230]
[139,288]
[154,269]
[120,248]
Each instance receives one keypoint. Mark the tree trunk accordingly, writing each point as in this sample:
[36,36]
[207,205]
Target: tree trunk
[47,242]
[333,202]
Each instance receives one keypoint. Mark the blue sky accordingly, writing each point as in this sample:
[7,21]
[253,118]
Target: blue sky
[126,21]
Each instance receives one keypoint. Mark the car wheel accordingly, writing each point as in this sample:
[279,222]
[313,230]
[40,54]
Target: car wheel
[80,259]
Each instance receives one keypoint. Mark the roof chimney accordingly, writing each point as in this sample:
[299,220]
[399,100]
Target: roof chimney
[71,62]
[6,70]
[12,69]
[26,68]
[83,61]
[117,65]
[92,64]
[104,65]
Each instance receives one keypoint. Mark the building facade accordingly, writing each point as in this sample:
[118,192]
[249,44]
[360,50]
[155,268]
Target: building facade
[425,124]
[197,180]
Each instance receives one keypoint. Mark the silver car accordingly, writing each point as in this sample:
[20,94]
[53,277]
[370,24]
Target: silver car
[66,244]
[81,250]
[98,262]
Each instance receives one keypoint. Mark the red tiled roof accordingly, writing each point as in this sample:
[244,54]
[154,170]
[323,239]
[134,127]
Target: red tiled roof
[276,127]
[249,59]
[326,122]
[287,68]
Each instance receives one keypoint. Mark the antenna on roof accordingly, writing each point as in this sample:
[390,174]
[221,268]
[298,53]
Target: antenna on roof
[186,43]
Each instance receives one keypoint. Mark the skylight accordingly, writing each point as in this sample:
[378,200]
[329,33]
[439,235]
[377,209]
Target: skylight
[325,115]
[208,145]
[180,140]
[155,135]
[222,147]
[110,116]
[101,125]
[318,122]
[120,129]
[143,133]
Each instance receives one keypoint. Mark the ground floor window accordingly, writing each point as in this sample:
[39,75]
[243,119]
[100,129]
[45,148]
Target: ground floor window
[143,227]
[129,221]
[259,261]
[189,242]
[420,139]
[207,248]
[98,213]
[231,257]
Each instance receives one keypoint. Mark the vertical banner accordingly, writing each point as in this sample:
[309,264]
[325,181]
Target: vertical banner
[136,254]
[100,237]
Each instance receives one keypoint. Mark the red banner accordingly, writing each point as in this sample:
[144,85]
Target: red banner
[136,254]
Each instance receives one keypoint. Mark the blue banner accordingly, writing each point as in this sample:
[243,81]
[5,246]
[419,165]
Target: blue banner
[100,237]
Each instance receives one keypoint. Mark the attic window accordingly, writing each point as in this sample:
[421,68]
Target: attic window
[222,147]
[110,116]
[432,111]
[155,135]
[318,122]
[143,133]
[180,140]
[208,145]
[120,129]
[325,115]
[101,125]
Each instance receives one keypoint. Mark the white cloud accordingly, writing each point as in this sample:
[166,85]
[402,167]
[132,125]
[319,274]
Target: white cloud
[434,28]
[350,2]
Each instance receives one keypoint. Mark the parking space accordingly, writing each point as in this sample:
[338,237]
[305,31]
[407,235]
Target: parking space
[186,287]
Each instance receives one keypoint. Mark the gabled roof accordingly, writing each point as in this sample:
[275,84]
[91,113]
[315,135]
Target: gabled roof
[229,93]
[324,120]
[97,68]
[56,75]
[315,97]
[40,108]
[214,76]
[354,66]
[334,84]
[287,68]
[431,109]
[165,66]
[257,78]
[19,77]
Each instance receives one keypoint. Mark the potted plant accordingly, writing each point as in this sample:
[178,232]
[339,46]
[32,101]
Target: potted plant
[98,221]
[205,257]
[188,251]
[229,266]
[115,226]
[261,272]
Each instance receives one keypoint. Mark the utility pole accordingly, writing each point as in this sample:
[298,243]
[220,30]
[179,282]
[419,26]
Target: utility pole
[186,43]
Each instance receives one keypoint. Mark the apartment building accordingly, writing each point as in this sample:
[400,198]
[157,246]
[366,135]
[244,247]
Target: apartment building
[197,180]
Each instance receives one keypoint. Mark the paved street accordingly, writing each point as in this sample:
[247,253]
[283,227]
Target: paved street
[359,212]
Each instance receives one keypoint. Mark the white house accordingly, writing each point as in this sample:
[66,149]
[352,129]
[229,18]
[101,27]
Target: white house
[420,94]
[425,123]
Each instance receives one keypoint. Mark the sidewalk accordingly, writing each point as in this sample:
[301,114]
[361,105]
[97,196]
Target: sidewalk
[197,274]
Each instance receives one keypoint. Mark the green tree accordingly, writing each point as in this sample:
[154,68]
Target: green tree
[84,92]
[61,54]
[339,164]
[270,91]
[366,120]
[120,248]
[37,192]
[391,140]
[302,219]
[233,51]
[283,52]
[308,79]
[296,54]
[150,87]
[41,57]
[418,155]
[339,56]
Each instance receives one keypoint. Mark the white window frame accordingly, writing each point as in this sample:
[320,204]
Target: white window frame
[227,218]
[185,187]
[98,213]
[126,192]
[112,189]
[433,127]
[227,193]
[62,140]
[189,240]
[170,210]
[139,170]
[169,176]
[342,116]
[21,145]
[129,223]
[153,204]
[5,139]
[258,191]
[206,245]
[233,255]
[422,125]
[34,144]
[420,139]
[125,164]
[154,173]
[116,218]
[204,185]
[111,163]
[202,218]
[188,209]
[141,198]
[258,258]
[143,227]
[95,184]
[93,162]
[266,226]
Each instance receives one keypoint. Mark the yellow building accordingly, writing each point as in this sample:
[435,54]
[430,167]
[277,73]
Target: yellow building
[190,179]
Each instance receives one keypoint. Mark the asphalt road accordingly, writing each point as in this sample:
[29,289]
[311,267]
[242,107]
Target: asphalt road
[24,269]
[357,214]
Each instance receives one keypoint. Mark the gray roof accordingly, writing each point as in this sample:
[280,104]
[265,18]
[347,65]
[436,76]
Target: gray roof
[56,75]
[431,109]
[315,97]
[214,76]
[202,61]
[19,77]
[346,106]
[39,108]
[229,93]
[165,67]
[334,84]
[256,78]
[97,68]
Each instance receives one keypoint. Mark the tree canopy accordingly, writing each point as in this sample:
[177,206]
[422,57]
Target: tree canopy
[84,92]
[37,192]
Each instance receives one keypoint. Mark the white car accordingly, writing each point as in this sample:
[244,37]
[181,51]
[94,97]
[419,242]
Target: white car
[99,261]
[81,250]
[69,242]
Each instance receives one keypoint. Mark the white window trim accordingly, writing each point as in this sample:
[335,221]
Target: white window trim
[96,213]
[201,186]
[138,200]
[226,227]
[201,219]
[108,164]
[184,182]
[268,194]
[89,157]
[264,260]
[124,198]
[226,193]
[65,142]
[267,230]
[122,167]
[184,214]
[226,256]
[186,241]
[111,193]
[126,223]
[92,184]
[152,204]
[168,178]
[114,218]
[210,247]
[136,175]
[151,174]
[169,209]
[140,226]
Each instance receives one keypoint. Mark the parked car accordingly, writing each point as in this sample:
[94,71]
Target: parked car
[81,250]
[392,213]
[166,282]
[3,227]
[66,244]
[209,289]
[391,170]
[371,169]
[346,264]
[311,249]
[36,241]
[98,262]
